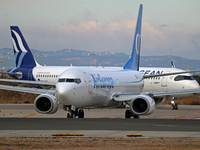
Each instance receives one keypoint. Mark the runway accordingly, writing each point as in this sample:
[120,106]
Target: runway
[161,112]
[100,122]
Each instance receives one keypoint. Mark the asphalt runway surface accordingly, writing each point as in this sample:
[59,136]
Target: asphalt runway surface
[22,120]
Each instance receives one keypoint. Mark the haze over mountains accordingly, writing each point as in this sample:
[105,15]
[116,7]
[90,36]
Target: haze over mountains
[68,57]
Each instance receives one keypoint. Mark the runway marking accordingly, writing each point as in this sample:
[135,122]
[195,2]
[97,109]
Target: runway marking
[180,117]
[134,135]
[112,117]
[60,134]
[29,115]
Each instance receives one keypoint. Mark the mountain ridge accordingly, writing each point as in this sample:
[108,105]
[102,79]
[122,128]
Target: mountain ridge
[66,57]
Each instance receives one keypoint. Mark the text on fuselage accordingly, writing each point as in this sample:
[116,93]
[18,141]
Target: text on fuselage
[150,72]
[102,82]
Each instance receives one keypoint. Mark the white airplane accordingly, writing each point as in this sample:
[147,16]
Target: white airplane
[168,83]
[91,87]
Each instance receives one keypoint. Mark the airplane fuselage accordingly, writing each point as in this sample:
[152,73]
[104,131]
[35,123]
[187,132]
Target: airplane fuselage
[94,87]
[165,83]
[100,84]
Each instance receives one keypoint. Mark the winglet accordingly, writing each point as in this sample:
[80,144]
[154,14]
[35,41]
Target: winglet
[23,55]
[133,62]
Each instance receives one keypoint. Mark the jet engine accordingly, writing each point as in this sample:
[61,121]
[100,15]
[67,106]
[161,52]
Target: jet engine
[142,105]
[46,104]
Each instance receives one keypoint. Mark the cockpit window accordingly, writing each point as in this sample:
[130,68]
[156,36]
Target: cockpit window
[181,77]
[71,80]
[61,80]
[77,81]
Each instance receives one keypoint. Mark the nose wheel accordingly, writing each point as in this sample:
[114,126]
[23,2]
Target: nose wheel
[74,112]
[71,115]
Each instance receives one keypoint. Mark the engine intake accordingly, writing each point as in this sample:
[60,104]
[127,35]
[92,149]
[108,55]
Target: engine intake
[142,105]
[46,104]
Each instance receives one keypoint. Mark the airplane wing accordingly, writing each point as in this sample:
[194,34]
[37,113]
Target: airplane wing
[26,89]
[167,74]
[11,73]
[46,85]
[125,97]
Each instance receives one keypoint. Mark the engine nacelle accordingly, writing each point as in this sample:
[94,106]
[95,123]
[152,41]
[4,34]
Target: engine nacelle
[46,104]
[142,105]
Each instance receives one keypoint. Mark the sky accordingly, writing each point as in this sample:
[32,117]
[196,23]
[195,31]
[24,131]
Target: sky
[169,27]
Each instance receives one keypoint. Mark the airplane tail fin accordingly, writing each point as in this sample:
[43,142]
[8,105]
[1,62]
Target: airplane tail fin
[133,62]
[173,64]
[23,56]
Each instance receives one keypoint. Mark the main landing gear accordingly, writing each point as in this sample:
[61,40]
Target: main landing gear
[74,112]
[129,114]
[174,106]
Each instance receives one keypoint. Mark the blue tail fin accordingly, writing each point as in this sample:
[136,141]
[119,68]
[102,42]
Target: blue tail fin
[23,55]
[133,62]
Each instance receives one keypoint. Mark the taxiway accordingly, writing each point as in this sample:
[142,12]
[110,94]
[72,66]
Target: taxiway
[23,120]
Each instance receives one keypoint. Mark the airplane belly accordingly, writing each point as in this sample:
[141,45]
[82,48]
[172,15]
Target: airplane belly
[81,97]
[100,97]
[76,97]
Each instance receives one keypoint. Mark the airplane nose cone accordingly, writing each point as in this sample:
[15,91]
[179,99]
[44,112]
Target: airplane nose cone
[60,89]
[63,93]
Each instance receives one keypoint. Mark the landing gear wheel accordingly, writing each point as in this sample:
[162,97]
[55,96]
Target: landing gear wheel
[174,106]
[68,115]
[128,114]
[81,113]
[71,115]
[136,116]
[73,111]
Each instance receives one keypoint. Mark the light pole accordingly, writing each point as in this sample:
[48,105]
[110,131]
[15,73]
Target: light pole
[2,61]
[92,54]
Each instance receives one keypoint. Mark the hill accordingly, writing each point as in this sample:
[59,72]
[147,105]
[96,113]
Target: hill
[83,58]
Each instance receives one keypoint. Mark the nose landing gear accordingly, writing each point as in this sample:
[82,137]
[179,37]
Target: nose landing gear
[174,106]
[74,112]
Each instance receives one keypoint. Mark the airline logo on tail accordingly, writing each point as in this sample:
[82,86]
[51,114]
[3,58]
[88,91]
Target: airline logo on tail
[23,55]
